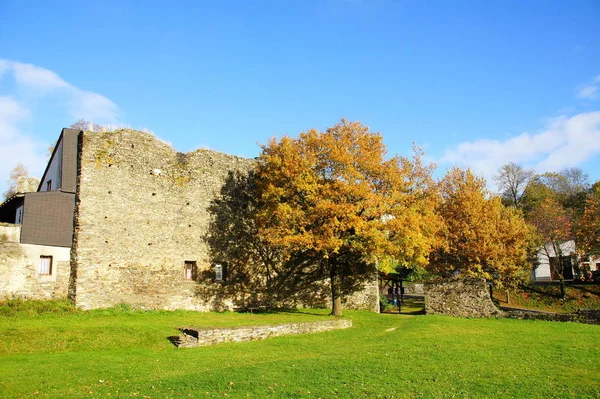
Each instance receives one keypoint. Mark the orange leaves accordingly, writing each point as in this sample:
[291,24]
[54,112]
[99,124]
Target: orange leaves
[588,234]
[335,192]
[480,236]
[552,221]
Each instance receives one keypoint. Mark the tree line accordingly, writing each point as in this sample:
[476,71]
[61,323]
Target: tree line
[324,203]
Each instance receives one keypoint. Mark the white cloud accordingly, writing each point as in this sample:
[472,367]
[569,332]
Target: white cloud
[17,147]
[565,142]
[37,78]
[590,90]
[93,107]
[37,88]
[42,83]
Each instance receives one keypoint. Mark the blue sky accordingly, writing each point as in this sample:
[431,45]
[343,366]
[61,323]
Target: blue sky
[475,83]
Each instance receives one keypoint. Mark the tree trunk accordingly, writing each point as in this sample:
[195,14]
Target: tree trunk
[563,294]
[507,296]
[336,299]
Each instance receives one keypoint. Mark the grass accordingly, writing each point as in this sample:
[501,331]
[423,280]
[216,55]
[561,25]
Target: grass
[124,353]
[547,297]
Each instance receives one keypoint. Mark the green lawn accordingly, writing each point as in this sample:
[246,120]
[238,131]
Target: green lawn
[126,354]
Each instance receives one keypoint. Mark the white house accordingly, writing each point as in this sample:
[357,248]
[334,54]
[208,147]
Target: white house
[573,264]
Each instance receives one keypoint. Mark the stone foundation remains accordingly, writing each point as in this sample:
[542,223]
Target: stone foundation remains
[193,337]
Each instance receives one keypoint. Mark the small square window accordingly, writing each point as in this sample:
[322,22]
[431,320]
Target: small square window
[49,185]
[45,265]
[190,270]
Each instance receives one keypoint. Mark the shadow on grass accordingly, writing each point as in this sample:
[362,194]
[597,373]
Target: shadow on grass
[586,289]
[410,306]
[555,295]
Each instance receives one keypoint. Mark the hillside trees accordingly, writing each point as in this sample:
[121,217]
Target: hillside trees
[588,231]
[480,236]
[512,180]
[553,223]
[334,197]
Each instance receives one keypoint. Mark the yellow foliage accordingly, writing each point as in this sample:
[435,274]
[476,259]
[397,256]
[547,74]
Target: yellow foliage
[480,236]
[335,192]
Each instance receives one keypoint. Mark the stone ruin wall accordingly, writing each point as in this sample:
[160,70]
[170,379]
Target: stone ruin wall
[142,211]
[463,297]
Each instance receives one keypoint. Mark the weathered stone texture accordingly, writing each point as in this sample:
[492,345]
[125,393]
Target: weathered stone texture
[19,275]
[586,316]
[364,299]
[463,297]
[142,211]
[194,337]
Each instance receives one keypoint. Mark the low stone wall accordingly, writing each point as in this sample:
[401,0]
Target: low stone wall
[463,297]
[194,337]
[586,316]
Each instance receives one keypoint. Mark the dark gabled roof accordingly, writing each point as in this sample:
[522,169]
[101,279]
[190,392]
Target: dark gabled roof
[62,134]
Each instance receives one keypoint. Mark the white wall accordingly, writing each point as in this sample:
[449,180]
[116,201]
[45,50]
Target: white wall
[542,272]
[55,169]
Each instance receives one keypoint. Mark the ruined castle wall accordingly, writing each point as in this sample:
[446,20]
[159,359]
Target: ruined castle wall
[143,211]
[462,297]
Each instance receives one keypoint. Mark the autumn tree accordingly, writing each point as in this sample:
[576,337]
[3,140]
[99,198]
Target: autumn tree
[20,181]
[512,180]
[553,223]
[480,237]
[588,231]
[334,197]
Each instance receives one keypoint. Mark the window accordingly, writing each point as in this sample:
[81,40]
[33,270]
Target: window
[19,218]
[45,265]
[49,185]
[218,272]
[190,270]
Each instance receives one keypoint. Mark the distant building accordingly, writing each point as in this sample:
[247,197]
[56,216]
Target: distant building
[574,266]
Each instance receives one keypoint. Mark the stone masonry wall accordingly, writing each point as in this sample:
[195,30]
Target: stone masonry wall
[365,299]
[463,297]
[194,337]
[142,211]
